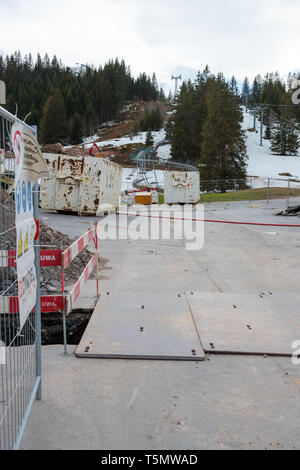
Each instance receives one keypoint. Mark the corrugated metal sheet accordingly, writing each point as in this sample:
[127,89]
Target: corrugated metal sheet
[80,184]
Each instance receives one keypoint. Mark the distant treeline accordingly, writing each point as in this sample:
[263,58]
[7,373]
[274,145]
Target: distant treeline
[87,95]
[274,91]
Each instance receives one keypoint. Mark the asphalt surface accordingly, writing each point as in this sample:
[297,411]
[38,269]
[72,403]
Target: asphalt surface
[226,402]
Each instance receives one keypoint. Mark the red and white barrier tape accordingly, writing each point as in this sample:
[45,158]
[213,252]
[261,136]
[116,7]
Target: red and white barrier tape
[47,258]
[49,304]
[76,290]
[54,303]
[70,253]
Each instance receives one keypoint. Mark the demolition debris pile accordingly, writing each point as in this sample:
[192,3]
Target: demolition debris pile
[49,238]
[291,212]
[51,276]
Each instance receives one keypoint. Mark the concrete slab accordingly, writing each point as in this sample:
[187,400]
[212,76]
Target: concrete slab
[142,326]
[246,324]
[226,402]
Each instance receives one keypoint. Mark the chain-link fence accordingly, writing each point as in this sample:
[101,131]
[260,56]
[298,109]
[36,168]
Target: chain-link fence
[250,189]
[19,348]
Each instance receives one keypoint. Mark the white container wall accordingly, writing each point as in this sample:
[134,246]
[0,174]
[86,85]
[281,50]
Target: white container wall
[83,185]
[182,187]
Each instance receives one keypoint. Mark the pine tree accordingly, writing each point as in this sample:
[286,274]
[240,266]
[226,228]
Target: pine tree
[53,124]
[285,140]
[285,137]
[76,131]
[245,91]
[157,120]
[223,152]
[234,87]
[169,128]
[149,139]
[268,131]
[256,90]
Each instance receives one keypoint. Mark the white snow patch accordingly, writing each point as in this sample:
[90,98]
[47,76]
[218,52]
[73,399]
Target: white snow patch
[139,138]
[164,152]
[262,163]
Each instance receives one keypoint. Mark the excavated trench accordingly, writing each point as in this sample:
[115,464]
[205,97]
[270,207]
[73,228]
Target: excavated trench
[52,327]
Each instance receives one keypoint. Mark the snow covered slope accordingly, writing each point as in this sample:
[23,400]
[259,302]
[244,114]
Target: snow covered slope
[138,138]
[261,161]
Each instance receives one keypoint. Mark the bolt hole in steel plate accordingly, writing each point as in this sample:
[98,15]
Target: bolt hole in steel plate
[163,330]
[247,324]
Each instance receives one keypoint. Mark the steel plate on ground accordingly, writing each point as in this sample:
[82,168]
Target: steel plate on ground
[266,323]
[141,326]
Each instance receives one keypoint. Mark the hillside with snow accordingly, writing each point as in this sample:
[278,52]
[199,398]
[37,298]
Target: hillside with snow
[261,162]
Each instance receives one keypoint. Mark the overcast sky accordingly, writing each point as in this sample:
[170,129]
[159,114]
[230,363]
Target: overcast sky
[240,37]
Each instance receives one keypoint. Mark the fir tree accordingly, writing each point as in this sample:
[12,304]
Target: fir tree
[268,131]
[234,87]
[169,128]
[256,90]
[149,139]
[223,152]
[76,131]
[245,91]
[53,124]
[285,139]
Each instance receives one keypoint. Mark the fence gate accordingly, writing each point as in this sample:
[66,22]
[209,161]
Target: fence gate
[20,348]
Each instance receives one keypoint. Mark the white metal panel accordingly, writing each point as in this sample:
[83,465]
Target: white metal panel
[182,187]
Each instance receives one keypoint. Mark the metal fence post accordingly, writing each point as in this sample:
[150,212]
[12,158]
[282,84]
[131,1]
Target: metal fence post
[38,320]
[289,193]
[250,197]
[268,191]
[261,127]
[64,309]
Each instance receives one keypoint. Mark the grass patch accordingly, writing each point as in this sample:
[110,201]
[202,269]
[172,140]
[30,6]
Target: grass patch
[258,194]
[161,199]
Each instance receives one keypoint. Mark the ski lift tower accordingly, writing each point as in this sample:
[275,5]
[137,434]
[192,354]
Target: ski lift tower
[176,82]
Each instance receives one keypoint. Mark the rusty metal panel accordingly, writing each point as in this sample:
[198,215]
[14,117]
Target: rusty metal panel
[70,167]
[266,323]
[80,184]
[141,326]
[90,186]
[48,185]
[110,184]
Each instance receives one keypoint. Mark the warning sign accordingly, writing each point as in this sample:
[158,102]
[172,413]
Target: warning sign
[29,167]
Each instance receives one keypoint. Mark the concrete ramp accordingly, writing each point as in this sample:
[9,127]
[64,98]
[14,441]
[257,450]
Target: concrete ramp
[142,326]
[267,323]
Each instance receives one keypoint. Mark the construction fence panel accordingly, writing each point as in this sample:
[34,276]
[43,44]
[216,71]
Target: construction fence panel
[20,379]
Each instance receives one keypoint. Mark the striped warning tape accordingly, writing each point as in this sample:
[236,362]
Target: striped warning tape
[72,251]
[76,290]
